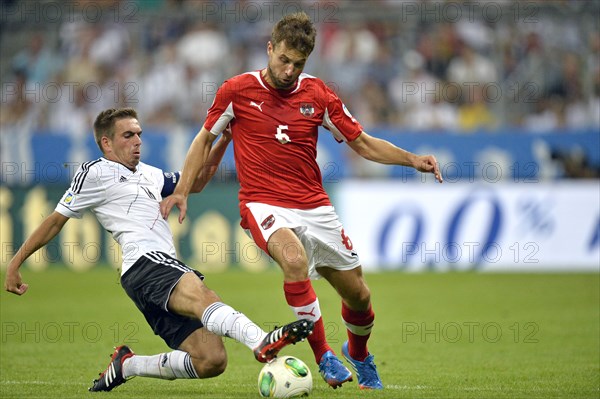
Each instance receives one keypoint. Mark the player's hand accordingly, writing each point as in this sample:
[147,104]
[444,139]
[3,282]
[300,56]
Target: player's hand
[177,200]
[227,133]
[14,282]
[428,164]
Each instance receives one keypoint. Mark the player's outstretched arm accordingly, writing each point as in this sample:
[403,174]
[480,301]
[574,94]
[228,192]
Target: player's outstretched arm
[196,158]
[384,152]
[212,163]
[45,232]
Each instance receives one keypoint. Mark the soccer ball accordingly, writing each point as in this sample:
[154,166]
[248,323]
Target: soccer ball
[285,377]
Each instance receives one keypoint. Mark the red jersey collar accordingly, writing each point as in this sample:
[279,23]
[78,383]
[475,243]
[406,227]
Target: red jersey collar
[281,92]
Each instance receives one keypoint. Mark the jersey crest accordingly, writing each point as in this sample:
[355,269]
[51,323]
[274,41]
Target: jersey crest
[307,109]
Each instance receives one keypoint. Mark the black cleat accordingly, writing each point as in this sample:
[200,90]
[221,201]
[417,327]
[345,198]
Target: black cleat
[112,377]
[281,337]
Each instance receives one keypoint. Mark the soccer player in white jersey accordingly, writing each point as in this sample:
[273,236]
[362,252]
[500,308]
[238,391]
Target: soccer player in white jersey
[274,116]
[124,194]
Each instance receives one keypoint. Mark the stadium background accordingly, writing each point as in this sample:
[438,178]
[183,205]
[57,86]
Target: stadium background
[506,94]
[516,134]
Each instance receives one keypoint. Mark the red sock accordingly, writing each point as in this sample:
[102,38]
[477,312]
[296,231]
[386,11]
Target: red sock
[359,326]
[304,302]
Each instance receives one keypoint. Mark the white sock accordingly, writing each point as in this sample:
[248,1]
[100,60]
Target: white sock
[312,311]
[223,320]
[167,366]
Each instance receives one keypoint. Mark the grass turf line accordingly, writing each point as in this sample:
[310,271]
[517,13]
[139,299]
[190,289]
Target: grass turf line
[451,335]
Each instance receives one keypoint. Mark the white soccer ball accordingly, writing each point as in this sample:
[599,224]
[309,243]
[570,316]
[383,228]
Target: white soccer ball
[285,377]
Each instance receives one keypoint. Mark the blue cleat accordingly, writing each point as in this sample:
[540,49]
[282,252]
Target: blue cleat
[333,371]
[368,377]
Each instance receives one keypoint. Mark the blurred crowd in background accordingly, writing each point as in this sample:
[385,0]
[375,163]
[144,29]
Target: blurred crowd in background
[443,66]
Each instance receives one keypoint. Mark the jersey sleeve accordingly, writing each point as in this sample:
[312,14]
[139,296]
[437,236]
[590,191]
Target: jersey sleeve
[86,191]
[170,180]
[338,120]
[165,182]
[220,112]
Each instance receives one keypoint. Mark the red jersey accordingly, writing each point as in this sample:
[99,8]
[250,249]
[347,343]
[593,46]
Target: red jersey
[275,136]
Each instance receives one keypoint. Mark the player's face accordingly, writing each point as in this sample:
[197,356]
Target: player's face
[124,148]
[285,65]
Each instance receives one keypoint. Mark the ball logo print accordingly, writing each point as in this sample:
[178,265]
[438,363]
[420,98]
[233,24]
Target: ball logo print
[285,377]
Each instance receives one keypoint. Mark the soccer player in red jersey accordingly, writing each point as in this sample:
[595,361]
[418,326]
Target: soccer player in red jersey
[274,115]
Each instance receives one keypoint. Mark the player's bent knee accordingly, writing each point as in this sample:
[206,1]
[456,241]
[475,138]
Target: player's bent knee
[209,295]
[295,274]
[210,370]
[210,366]
[359,299]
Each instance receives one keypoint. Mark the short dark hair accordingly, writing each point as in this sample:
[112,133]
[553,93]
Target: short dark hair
[298,32]
[105,122]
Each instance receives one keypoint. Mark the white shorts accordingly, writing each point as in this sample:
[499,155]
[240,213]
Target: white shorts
[319,230]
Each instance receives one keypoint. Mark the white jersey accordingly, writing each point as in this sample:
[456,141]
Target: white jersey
[126,204]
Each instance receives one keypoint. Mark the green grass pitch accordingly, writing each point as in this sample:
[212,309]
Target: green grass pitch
[452,335]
